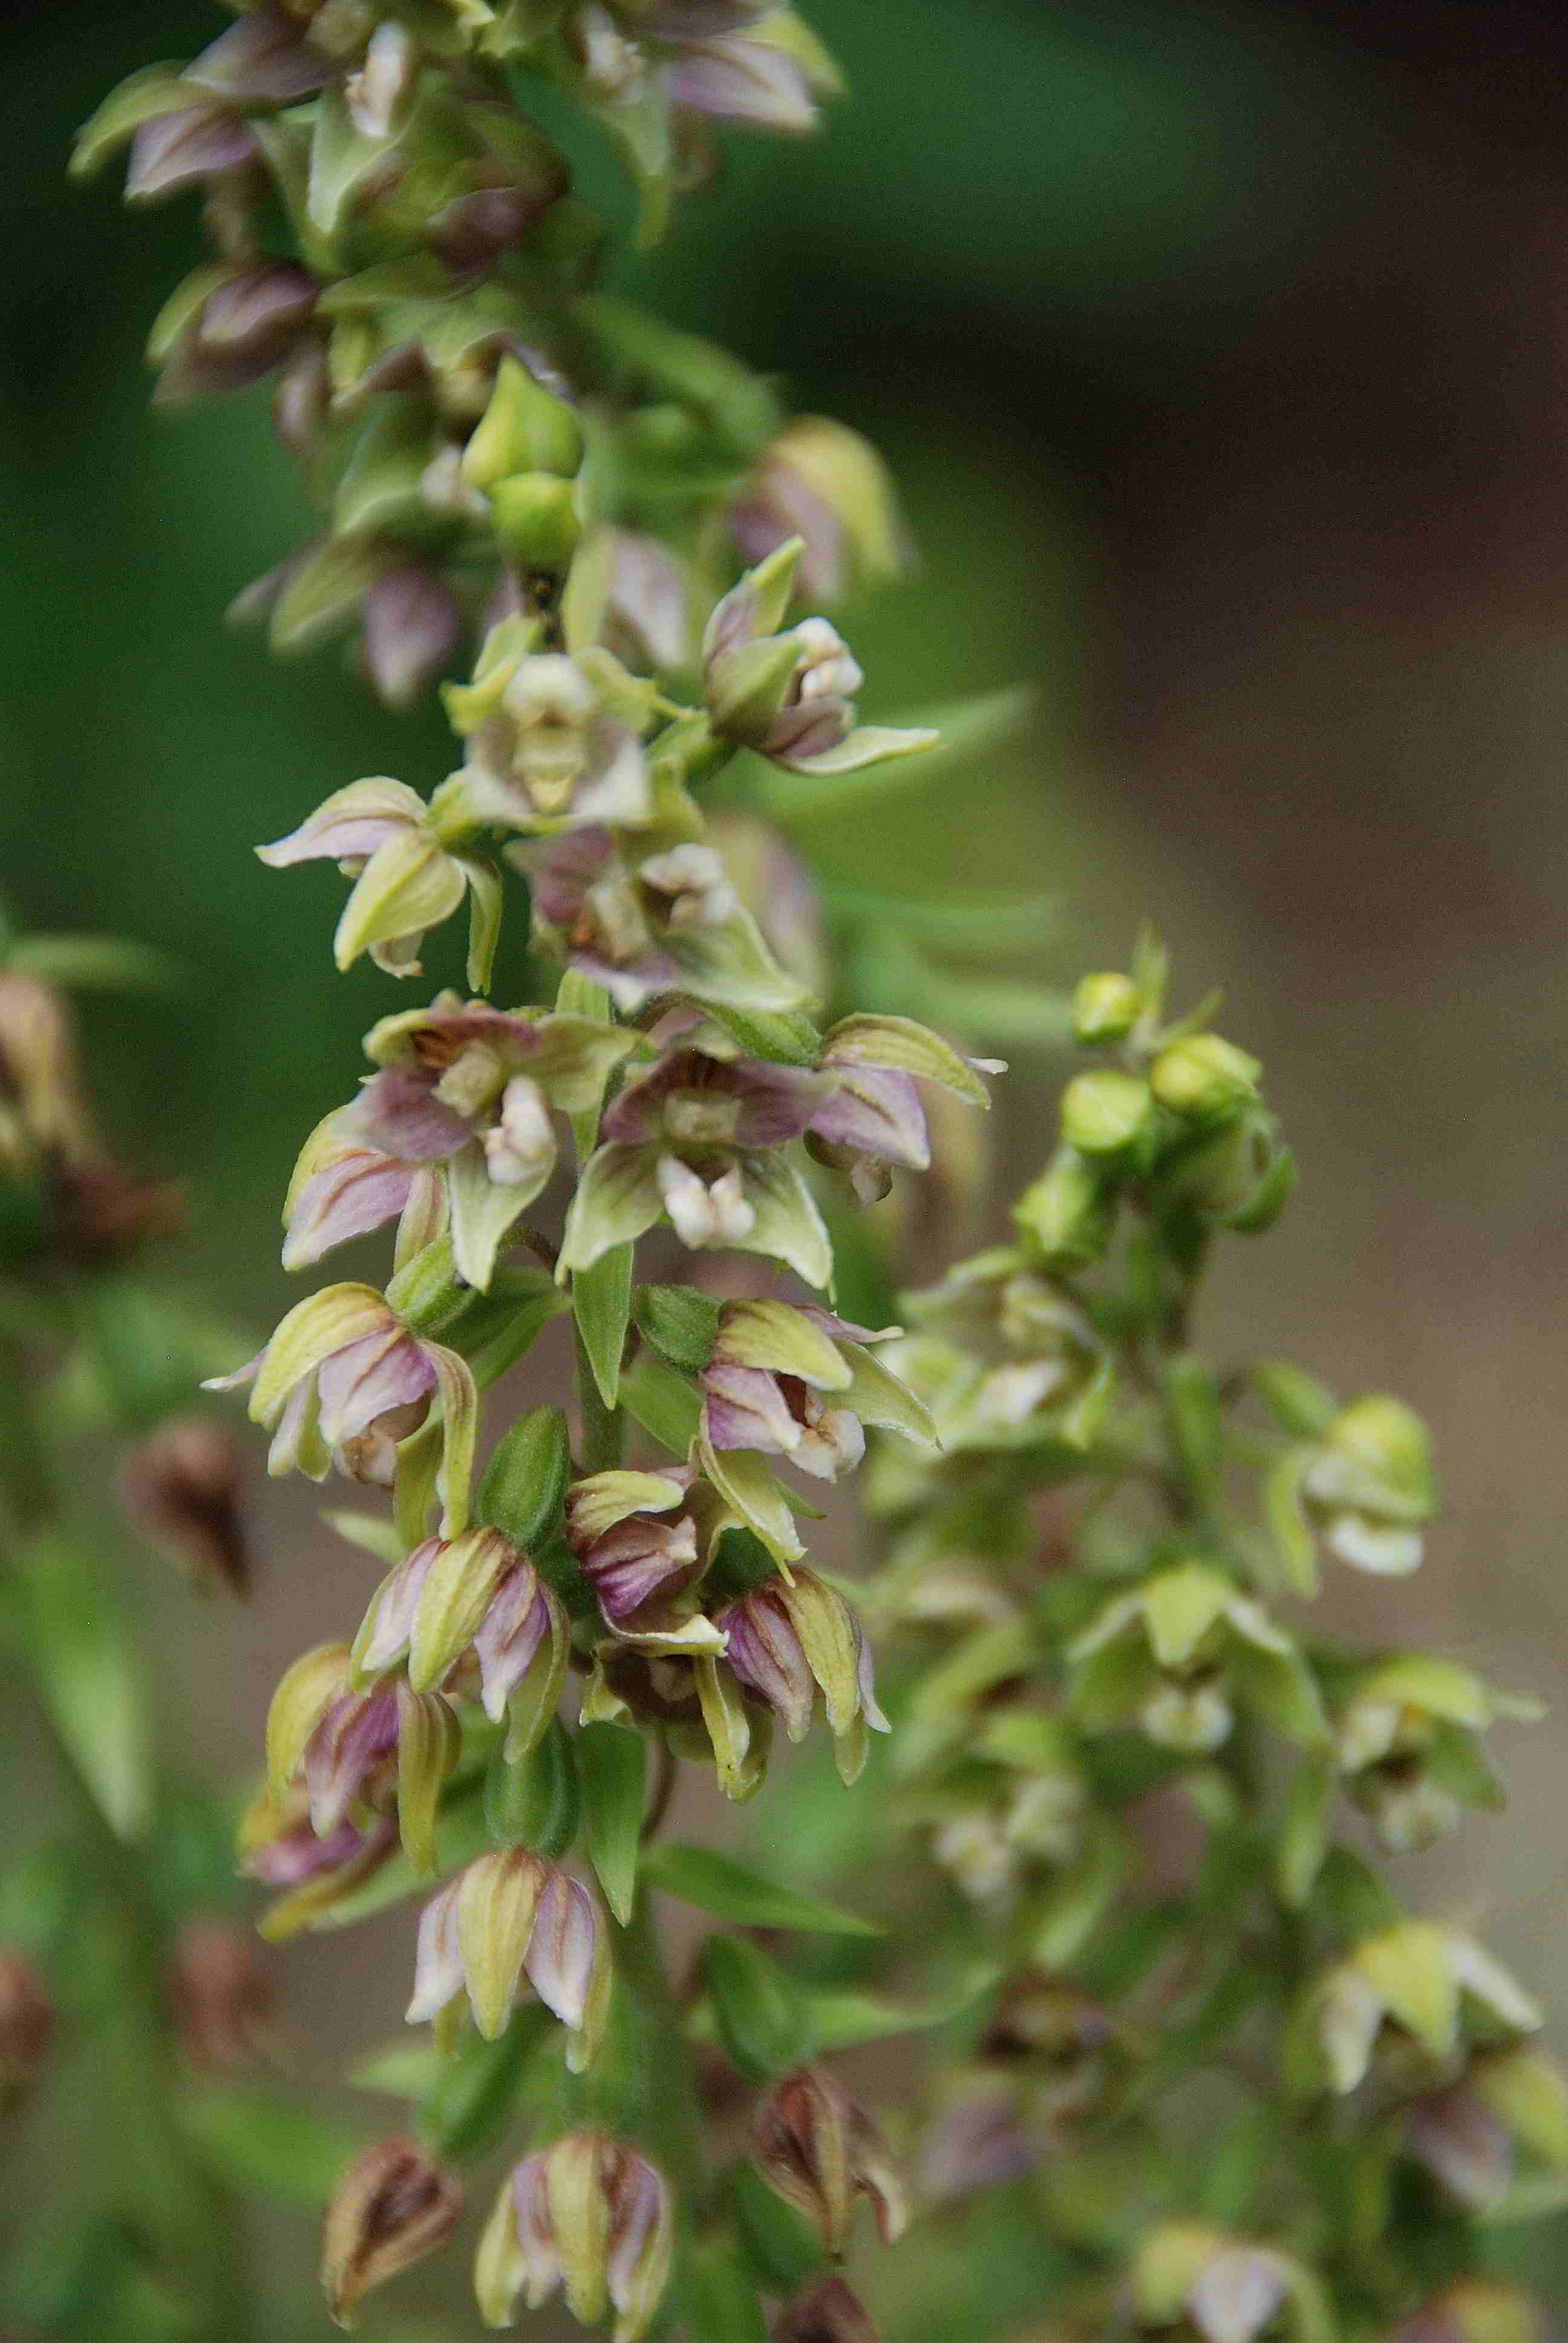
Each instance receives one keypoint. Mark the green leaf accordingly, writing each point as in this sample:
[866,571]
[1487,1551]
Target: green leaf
[681,1324]
[90,1679]
[731,1891]
[601,1303]
[524,1485]
[838,2017]
[472,2099]
[612,1768]
[714,2295]
[102,964]
[257,2138]
[759,2011]
[780,2244]
[534,1801]
[662,1402]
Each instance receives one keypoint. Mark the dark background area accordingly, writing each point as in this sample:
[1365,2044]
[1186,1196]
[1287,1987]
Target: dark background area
[1222,352]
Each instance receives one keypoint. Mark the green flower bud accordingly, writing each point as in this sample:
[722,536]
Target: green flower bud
[537,520]
[1067,1213]
[1106,1008]
[1202,1075]
[525,428]
[1106,1112]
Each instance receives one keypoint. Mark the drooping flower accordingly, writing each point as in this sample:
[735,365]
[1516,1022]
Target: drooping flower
[789,695]
[406,881]
[825,484]
[642,1541]
[476,1593]
[669,923]
[796,1646]
[1178,1656]
[550,745]
[462,1098]
[393,2207]
[872,1117]
[1229,2288]
[509,1916]
[1408,1734]
[794,1381]
[343,1381]
[587,2213]
[700,1141]
[820,2152]
[1418,1981]
[1369,1490]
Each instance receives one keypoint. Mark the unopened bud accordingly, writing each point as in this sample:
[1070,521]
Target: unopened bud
[525,428]
[1203,1075]
[537,520]
[1106,1111]
[393,2208]
[1105,1008]
[182,1485]
[817,2149]
[590,2214]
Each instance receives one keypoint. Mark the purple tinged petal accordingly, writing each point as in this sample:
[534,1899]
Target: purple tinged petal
[398,1112]
[767,1657]
[299,1854]
[369,1379]
[508,1638]
[439,1956]
[393,1607]
[176,150]
[413,627]
[841,1330]
[265,59]
[361,1192]
[745,1407]
[638,1559]
[737,80]
[353,823]
[562,1952]
[876,1111]
[352,1742]
[265,305]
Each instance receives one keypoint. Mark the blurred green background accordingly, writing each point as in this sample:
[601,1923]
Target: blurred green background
[1220,352]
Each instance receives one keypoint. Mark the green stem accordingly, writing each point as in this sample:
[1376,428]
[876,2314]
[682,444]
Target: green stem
[602,1429]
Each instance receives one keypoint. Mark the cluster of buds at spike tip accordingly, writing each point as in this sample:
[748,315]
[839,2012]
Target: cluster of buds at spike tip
[822,2153]
[393,2208]
[344,1380]
[509,1917]
[357,1752]
[588,2215]
[456,1128]
[1178,1657]
[473,1603]
[790,693]
[1411,1996]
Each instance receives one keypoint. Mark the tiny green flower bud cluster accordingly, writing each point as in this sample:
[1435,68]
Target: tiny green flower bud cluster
[1160,1789]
